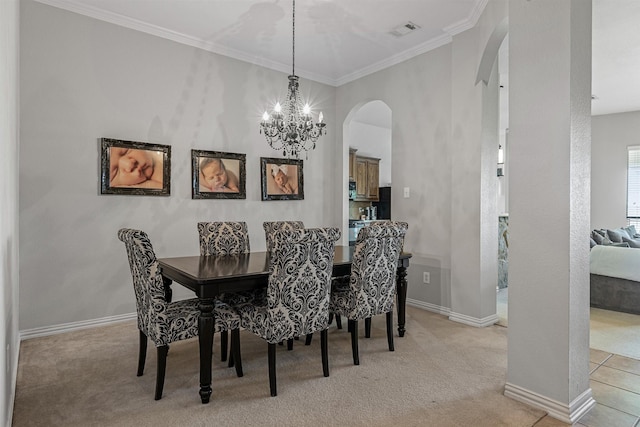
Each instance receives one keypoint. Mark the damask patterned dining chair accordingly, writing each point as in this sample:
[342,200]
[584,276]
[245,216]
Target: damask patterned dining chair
[372,286]
[165,322]
[224,238]
[271,227]
[297,300]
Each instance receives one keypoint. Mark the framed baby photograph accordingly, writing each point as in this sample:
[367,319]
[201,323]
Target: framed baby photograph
[218,175]
[134,168]
[282,179]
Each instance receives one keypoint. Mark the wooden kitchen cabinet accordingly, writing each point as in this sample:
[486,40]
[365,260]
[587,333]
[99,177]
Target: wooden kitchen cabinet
[373,167]
[361,179]
[352,164]
[366,176]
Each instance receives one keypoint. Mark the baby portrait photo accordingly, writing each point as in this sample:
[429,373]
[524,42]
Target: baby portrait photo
[218,175]
[281,179]
[138,168]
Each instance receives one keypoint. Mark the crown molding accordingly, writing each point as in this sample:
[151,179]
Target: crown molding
[468,23]
[134,24]
[396,59]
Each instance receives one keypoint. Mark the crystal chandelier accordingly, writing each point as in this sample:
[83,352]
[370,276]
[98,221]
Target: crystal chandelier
[290,128]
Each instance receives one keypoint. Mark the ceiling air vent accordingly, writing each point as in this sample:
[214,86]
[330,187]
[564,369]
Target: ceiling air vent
[404,29]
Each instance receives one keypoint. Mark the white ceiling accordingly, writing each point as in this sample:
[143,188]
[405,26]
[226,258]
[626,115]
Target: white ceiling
[338,41]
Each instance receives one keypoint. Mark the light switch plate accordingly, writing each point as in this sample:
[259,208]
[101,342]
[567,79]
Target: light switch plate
[406,192]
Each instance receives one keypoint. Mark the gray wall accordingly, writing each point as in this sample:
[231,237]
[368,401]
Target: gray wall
[9,338]
[418,91]
[611,134]
[82,79]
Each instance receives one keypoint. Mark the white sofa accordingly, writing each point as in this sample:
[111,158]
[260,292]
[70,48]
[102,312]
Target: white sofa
[615,278]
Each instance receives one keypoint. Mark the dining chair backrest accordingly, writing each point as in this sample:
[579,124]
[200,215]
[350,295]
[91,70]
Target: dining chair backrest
[151,304]
[271,227]
[373,268]
[223,238]
[299,282]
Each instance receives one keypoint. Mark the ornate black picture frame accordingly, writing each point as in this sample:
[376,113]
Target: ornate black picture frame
[134,168]
[218,175]
[282,179]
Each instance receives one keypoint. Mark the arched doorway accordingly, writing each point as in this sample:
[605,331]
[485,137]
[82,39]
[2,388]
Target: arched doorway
[367,135]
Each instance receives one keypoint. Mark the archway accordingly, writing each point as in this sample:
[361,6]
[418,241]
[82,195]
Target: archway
[367,130]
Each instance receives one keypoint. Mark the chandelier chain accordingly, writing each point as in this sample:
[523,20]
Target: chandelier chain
[293,43]
[290,126]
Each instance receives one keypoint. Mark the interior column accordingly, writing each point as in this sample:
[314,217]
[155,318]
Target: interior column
[549,200]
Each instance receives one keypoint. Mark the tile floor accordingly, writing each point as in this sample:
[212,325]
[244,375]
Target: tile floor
[615,382]
[615,379]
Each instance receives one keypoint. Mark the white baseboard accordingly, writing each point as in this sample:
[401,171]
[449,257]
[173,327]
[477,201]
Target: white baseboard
[569,414]
[74,326]
[14,383]
[428,306]
[474,321]
[456,317]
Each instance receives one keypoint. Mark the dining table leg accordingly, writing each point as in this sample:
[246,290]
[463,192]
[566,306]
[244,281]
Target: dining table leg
[401,289]
[205,338]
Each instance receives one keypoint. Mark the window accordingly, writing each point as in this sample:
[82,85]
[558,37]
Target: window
[633,185]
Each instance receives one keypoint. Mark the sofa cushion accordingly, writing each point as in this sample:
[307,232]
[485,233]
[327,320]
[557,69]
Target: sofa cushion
[619,245]
[631,231]
[617,235]
[599,238]
[615,262]
[633,243]
[592,243]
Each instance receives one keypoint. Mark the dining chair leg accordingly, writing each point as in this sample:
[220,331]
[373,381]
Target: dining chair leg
[367,327]
[290,344]
[390,330]
[162,367]
[338,321]
[307,341]
[142,354]
[325,352]
[353,326]
[272,369]
[235,356]
[224,339]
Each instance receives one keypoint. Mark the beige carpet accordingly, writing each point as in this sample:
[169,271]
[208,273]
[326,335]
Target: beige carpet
[442,374]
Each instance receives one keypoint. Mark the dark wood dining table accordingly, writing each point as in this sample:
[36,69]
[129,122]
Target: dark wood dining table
[210,276]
